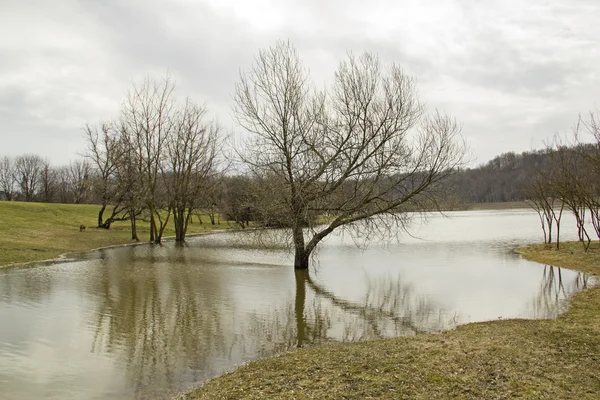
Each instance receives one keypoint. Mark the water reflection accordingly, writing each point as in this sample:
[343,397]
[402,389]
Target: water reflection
[554,291]
[164,326]
[148,322]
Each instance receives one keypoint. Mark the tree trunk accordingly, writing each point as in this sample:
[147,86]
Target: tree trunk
[153,233]
[301,255]
[163,225]
[558,226]
[134,235]
[101,215]
[301,277]
[179,220]
[188,218]
[301,258]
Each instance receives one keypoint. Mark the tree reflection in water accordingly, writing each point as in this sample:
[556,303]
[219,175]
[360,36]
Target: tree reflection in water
[167,327]
[554,291]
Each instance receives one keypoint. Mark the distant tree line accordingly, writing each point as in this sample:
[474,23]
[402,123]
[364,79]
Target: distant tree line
[29,177]
[502,179]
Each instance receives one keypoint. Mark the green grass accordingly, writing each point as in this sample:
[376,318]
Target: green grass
[41,231]
[526,359]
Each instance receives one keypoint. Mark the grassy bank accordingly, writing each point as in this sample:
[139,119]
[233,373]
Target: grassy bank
[530,359]
[39,231]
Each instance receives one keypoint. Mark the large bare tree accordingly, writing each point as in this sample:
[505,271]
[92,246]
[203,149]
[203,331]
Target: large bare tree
[191,171]
[363,151]
[147,122]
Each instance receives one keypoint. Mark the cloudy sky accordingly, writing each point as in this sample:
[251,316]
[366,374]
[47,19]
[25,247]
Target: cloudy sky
[512,72]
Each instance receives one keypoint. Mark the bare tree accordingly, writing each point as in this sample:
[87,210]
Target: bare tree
[79,180]
[48,182]
[147,122]
[589,154]
[129,181]
[8,178]
[63,187]
[104,153]
[543,192]
[240,199]
[191,154]
[365,151]
[28,168]
[573,181]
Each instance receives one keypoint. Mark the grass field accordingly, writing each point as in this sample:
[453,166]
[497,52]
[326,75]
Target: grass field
[40,231]
[525,359]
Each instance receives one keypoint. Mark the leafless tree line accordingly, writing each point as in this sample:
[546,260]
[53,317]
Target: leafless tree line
[29,177]
[570,183]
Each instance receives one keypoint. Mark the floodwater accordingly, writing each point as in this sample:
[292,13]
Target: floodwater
[150,322]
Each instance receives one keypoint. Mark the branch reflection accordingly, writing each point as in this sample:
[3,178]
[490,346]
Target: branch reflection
[550,301]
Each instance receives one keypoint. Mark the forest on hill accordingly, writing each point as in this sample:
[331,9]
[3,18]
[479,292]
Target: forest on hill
[502,179]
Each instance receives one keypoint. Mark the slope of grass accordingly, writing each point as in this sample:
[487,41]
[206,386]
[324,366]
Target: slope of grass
[527,359]
[40,231]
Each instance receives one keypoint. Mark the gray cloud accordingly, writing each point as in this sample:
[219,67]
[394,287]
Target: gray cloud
[512,73]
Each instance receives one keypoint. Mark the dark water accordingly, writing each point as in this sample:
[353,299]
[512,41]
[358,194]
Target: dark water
[149,322]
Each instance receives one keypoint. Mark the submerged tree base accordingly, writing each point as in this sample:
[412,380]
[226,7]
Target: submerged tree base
[501,359]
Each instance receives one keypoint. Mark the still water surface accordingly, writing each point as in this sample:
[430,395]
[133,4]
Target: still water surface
[149,322]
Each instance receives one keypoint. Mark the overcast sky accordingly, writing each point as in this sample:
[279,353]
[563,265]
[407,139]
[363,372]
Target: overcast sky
[512,72]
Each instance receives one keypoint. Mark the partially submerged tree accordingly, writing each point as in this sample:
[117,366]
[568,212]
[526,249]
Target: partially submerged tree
[147,123]
[191,156]
[363,151]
